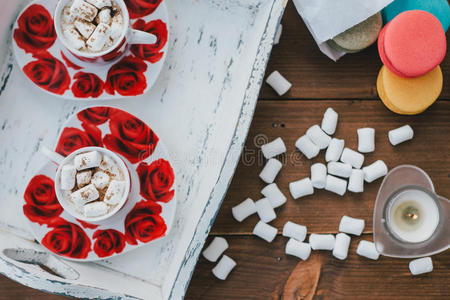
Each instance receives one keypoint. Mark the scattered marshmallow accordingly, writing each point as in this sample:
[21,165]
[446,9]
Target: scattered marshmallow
[339,169]
[300,188]
[318,136]
[109,165]
[223,267]
[99,37]
[307,147]
[340,250]
[321,241]
[116,26]
[366,140]
[85,28]
[278,83]
[67,17]
[374,171]
[356,181]
[270,170]
[329,121]
[298,249]
[85,194]
[275,196]
[265,231]
[334,150]
[87,160]
[83,178]
[100,3]
[95,209]
[274,148]
[73,37]
[421,266]
[100,179]
[351,225]
[83,10]
[336,185]
[104,16]
[318,175]
[352,157]
[68,173]
[276,40]
[243,210]
[215,249]
[114,193]
[400,135]
[265,210]
[294,231]
[367,249]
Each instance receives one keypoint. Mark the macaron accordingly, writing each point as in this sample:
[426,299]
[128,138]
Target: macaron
[412,44]
[439,8]
[409,96]
[358,37]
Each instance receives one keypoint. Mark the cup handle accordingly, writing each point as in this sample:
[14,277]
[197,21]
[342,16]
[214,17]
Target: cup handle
[141,37]
[52,155]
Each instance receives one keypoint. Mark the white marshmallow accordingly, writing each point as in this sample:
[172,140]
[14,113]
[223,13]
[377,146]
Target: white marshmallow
[352,157]
[366,140]
[318,136]
[265,231]
[334,150]
[83,178]
[95,209]
[274,148]
[223,267]
[329,121]
[83,10]
[321,241]
[421,266]
[99,37]
[87,160]
[340,250]
[277,37]
[100,3]
[356,181]
[243,210]
[109,165]
[367,249]
[68,173]
[351,225]
[336,185]
[298,249]
[73,38]
[339,169]
[117,26]
[104,16]
[265,210]
[100,179]
[295,231]
[270,170]
[278,83]
[300,188]
[85,28]
[275,196]
[114,193]
[85,194]
[400,135]
[67,17]
[374,171]
[318,175]
[215,249]
[307,147]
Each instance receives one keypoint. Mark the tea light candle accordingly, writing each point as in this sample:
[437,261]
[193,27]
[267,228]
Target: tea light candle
[412,215]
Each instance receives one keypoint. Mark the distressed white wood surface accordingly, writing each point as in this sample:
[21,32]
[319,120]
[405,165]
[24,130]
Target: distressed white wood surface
[201,107]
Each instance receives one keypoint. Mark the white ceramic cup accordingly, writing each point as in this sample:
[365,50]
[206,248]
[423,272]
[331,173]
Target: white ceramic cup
[70,207]
[128,36]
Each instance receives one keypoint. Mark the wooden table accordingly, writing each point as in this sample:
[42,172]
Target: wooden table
[263,270]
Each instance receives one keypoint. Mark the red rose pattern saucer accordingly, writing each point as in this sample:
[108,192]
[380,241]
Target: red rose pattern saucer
[50,66]
[146,216]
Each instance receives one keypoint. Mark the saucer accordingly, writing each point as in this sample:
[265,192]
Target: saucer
[52,68]
[148,214]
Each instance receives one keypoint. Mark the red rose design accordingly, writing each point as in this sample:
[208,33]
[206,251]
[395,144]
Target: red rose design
[127,77]
[151,53]
[41,205]
[130,137]
[156,180]
[87,85]
[144,223]
[48,72]
[67,239]
[36,31]
[73,138]
[87,225]
[141,8]
[69,63]
[108,242]
[96,115]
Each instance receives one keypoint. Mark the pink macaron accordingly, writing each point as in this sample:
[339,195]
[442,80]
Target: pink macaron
[412,44]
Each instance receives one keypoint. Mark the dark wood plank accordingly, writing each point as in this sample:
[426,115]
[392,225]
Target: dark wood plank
[12,290]
[315,76]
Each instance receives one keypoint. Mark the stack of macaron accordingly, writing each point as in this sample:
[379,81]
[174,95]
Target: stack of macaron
[411,46]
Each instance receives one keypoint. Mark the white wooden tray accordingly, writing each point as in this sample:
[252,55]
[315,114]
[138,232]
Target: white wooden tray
[201,106]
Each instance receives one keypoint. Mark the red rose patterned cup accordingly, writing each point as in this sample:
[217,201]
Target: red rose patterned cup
[129,36]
